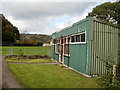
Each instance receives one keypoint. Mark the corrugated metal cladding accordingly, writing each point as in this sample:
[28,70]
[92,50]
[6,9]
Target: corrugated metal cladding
[102,42]
[103,46]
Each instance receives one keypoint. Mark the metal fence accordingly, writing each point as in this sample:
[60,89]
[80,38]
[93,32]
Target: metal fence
[26,51]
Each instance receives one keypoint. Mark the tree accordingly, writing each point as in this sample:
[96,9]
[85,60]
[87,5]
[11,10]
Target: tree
[10,33]
[108,11]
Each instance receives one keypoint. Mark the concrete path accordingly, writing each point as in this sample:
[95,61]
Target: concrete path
[8,79]
[0,71]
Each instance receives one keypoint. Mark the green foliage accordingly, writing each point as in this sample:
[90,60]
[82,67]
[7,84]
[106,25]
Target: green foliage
[39,43]
[10,33]
[34,39]
[118,75]
[109,11]
[109,79]
[51,76]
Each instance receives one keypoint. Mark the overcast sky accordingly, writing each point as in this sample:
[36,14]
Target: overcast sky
[45,17]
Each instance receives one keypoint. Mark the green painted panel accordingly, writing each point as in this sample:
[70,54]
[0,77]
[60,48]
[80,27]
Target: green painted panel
[78,57]
[66,60]
[54,56]
[57,57]
[53,49]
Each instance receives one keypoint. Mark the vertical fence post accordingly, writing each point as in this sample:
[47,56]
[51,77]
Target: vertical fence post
[114,74]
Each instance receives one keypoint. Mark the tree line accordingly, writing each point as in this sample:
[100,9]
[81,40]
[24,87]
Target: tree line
[10,33]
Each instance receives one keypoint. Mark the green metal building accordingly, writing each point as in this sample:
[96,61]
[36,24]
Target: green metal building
[83,45]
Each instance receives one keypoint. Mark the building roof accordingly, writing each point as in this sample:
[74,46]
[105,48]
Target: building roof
[88,18]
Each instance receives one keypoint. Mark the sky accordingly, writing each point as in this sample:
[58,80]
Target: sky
[46,17]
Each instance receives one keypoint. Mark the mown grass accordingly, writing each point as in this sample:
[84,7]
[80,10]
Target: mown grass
[45,60]
[51,76]
[13,50]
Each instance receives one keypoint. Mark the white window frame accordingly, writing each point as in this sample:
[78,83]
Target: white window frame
[57,48]
[64,45]
[64,52]
[78,42]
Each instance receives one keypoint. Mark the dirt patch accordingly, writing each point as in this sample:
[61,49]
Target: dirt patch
[19,57]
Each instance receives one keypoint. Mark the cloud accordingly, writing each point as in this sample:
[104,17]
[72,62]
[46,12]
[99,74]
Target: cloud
[56,0]
[45,17]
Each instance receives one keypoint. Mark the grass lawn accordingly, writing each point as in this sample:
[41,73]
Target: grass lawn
[45,60]
[51,76]
[13,50]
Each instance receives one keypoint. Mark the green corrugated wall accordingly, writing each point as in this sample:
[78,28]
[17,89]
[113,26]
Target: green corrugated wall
[78,59]
[104,46]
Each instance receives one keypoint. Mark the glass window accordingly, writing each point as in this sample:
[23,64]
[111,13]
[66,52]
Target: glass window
[68,39]
[66,49]
[72,39]
[64,40]
[83,37]
[57,48]
[77,38]
[54,41]
[61,41]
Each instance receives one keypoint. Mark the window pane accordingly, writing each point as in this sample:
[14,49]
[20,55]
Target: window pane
[68,39]
[78,38]
[57,48]
[61,41]
[64,40]
[83,37]
[66,47]
[72,39]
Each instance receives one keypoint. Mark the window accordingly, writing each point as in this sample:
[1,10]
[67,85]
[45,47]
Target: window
[78,38]
[83,37]
[65,45]
[75,38]
[57,45]
[61,41]
[54,41]
[64,40]
[72,39]
[66,49]
[57,48]
[68,39]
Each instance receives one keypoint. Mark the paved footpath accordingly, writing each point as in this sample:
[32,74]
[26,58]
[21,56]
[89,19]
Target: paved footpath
[0,71]
[8,79]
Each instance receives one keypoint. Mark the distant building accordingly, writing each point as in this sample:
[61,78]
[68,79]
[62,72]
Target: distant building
[46,44]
